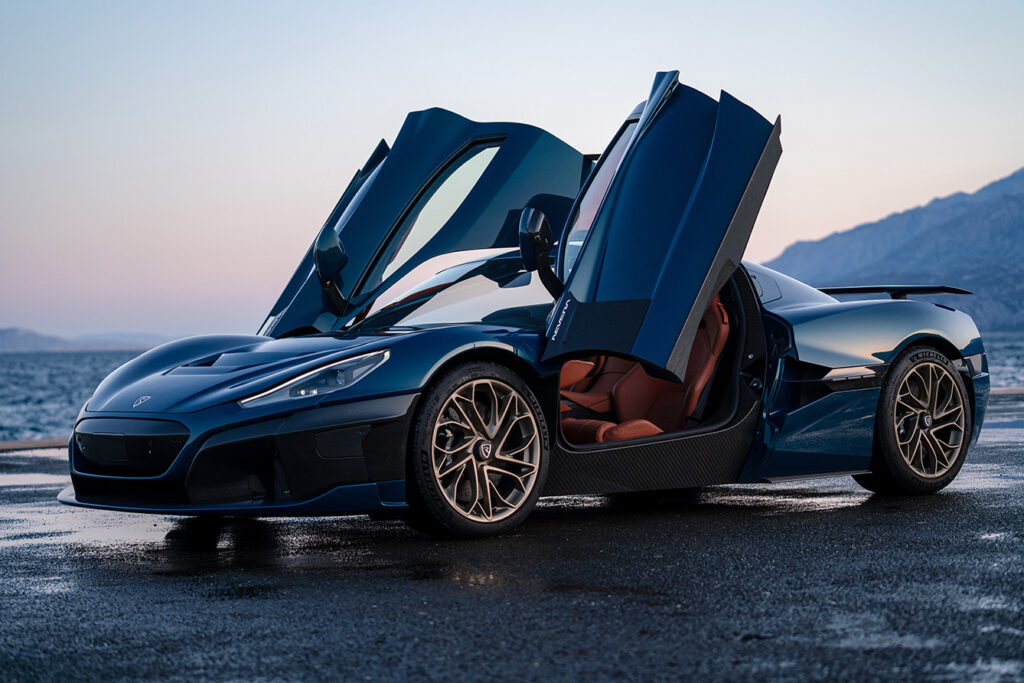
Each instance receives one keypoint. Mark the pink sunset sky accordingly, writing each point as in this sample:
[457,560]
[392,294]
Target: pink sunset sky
[163,166]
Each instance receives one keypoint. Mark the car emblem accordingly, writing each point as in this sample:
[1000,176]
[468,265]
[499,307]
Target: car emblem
[140,400]
[485,449]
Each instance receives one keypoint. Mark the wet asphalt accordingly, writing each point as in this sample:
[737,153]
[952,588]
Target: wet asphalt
[799,580]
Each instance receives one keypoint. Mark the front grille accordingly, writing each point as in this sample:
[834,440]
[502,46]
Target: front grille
[127,448]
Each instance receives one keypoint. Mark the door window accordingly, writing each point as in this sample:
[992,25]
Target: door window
[438,204]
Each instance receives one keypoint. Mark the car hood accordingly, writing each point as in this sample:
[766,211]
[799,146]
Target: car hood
[195,373]
[454,309]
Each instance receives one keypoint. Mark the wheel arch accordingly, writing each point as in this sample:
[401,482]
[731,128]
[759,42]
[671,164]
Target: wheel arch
[542,385]
[935,341]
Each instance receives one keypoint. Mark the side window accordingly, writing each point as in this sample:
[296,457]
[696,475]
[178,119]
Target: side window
[438,204]
[586,211]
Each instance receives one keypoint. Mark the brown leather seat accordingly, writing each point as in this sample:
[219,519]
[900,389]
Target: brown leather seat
[593,391]
[641,405]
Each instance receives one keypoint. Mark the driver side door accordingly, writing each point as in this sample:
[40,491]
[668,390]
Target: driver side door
[681,187]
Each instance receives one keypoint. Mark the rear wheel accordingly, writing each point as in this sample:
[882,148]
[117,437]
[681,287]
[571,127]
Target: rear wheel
[923,426]
[479,453]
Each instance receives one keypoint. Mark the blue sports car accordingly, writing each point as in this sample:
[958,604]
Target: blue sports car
[488,316]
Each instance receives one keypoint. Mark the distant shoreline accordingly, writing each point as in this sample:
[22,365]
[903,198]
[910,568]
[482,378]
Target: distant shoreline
[32,444]
[79,349]
[41,444]
[24,340]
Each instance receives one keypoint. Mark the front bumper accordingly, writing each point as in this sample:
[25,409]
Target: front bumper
[340,459]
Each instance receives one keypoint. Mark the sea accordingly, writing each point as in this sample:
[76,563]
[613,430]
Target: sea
[42,392]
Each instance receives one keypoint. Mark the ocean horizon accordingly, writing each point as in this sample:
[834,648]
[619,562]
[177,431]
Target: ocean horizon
[41,392]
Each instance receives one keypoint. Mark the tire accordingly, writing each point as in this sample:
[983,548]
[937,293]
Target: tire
[478,453]
[923,427]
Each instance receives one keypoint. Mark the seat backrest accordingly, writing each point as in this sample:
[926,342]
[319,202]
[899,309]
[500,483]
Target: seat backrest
[638,396]
[669,404]
[708,345]
[606,374]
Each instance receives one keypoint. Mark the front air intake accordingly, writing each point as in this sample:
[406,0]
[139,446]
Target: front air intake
[127,447]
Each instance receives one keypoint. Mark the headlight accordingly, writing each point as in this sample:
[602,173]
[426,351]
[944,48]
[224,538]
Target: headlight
[324,380]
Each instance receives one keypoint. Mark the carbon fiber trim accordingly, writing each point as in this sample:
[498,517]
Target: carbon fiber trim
[687,461]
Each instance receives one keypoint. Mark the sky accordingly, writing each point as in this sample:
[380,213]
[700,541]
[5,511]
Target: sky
[164,166]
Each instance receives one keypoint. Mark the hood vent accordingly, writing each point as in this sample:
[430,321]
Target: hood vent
[203,362]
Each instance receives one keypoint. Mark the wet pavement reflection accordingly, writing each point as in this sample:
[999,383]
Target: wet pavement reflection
[800,579]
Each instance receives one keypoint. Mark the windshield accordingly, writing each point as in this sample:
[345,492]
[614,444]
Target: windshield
[600,181]
[493,292]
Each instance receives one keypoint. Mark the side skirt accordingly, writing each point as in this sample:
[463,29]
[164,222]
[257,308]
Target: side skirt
[682,462]
[823,475]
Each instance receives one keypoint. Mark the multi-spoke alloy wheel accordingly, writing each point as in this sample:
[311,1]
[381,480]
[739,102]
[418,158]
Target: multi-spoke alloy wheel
[479,453]
[486,450]
[923,427]
[929,419]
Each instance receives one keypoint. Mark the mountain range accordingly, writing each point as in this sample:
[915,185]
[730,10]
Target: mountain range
[974,241]
[15,339]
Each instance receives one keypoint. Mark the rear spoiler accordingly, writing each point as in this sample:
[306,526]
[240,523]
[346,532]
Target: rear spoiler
[895,291]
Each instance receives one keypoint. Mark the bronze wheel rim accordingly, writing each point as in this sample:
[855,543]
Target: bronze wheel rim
[485,450]
[928,419]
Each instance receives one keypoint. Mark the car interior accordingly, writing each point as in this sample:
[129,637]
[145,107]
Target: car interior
[608,398]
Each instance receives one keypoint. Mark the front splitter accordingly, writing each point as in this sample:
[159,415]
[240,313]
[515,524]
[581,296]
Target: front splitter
[350,499]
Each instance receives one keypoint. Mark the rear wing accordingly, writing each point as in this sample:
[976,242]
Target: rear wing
[894,291]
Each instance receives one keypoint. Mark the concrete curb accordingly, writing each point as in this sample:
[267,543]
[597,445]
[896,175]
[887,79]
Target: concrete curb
[33,444]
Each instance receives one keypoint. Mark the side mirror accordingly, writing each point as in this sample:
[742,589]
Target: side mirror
[330,258]
[535,245]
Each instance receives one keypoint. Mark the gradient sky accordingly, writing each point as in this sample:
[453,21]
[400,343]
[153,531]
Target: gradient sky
[163,166]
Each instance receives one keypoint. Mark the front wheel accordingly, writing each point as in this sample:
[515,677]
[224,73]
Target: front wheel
[478,454]
[923,426]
